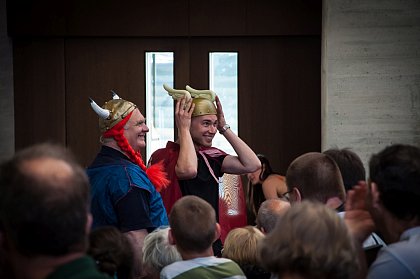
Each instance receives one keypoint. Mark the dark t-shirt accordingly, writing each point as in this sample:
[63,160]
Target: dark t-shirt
[204,184]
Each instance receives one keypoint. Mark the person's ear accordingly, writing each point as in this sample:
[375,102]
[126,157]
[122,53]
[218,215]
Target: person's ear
[374,194]
[89,221]
[217,232]
[295,196]
[171,238]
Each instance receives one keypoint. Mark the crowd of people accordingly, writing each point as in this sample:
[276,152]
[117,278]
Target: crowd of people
[121,218]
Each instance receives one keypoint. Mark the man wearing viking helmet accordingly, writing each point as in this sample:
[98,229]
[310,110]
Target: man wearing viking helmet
[194,167]
[124,193]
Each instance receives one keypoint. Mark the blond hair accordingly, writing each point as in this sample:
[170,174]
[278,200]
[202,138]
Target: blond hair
[241,245]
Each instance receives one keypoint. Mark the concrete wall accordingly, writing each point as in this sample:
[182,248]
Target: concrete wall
[370,74]
[7,132]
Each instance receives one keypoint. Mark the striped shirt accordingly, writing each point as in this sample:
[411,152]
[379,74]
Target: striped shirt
[207,267]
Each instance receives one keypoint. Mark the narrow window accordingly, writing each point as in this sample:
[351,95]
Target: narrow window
[224,81]
[159,106]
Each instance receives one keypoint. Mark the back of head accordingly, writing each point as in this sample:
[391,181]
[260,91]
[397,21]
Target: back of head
[158,252]
[350,165]
[312,241]
[241,245]
[396,171]
[269,213]
[193,224]
[112,252]
[316,176]
[44,202]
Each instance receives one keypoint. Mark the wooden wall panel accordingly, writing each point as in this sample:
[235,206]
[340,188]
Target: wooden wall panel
[39,91]
[279,92]
[128,18]
[273,17]
[280,114]
[103,48]
[36,18]
[133,18]
[217,18]
[94,67]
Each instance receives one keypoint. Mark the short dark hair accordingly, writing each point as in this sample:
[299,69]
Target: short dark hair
[396,171]
[193,224]
[112,251]
[44,210]
[350,165]
[316,176]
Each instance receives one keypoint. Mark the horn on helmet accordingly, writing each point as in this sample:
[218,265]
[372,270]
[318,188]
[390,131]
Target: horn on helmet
[102,113]
[115,95]
[207,94]
[177,93]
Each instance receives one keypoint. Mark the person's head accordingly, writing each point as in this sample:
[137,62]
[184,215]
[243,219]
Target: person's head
[193,225]
[241,245]
[158,253]
[269,212]
[204,116]
[135,130]
[44,203]
[112,252]
[122,123]
[350,165]
[314,176]
[310,241]
[395,181]
[203,129]
[258,176]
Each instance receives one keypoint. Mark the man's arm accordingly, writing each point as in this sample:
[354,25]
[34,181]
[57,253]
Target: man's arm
[186,165]
[133,213]
[136,239]
[246,161]
[359,221]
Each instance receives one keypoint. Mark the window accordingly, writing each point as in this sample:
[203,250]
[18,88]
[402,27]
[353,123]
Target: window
[224,81]
[159,106]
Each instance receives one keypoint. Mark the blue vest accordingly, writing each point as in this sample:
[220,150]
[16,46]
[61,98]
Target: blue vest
[111,177]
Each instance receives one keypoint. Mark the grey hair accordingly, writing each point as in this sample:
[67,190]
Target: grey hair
[158,252]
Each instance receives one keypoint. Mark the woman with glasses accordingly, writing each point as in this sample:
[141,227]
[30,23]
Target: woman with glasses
[263,184]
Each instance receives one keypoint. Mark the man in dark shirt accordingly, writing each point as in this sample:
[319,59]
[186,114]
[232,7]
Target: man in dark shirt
[193,165]
[44,216]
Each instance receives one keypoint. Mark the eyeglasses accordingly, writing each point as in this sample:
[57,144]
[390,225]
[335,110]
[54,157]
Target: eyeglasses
[286,195]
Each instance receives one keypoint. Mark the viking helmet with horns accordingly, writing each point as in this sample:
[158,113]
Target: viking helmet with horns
[113,116]
[203,99]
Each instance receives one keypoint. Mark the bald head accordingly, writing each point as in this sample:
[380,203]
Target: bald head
[54,172]
[269,212]
[44,204]
[316,176]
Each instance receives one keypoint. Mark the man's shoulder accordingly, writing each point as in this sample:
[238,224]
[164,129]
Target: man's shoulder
[209,267]
[397,260]
[167,154]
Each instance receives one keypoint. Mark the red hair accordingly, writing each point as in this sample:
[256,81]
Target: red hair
[155,173]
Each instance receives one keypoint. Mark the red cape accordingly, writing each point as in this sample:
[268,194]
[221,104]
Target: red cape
[232,208]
